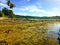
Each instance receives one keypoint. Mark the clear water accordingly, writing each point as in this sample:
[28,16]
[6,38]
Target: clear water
[53,30]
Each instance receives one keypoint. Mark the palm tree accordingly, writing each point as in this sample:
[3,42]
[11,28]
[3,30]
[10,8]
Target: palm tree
[8,2]
[11,5]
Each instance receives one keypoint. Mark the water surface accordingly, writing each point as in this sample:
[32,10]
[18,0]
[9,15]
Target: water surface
[53,30]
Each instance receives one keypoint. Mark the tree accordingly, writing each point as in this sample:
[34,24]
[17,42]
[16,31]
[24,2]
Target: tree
[11,5]
[11,14]
[5,11]
[8,13]
[1,14]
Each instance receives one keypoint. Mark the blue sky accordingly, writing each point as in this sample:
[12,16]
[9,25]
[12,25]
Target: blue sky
[34,7]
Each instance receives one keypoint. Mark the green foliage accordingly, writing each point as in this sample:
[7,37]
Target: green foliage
[34,17]
[11,5]
[8,13]
[5,11]
[1,14]
[8,2]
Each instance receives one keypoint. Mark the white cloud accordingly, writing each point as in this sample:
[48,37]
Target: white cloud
[56,0]
[53,9]
[4,5]
[25,1]
[40,12]
[3,1]
[32,8]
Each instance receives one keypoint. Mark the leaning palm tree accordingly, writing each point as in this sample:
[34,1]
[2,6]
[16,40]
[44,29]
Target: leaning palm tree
[8,2]
[11,5]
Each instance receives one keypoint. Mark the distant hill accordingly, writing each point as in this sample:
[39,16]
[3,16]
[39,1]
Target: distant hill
[34,17]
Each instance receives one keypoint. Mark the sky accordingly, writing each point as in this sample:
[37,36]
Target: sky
[34,7]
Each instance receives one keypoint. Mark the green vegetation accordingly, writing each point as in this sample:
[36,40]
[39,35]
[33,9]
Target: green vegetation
[5,12]
[35,17]
[1,14]
[11,5]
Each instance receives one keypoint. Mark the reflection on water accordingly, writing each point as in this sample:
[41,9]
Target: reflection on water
[53,30]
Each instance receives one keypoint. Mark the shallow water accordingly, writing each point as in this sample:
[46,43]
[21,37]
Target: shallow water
[53,30]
